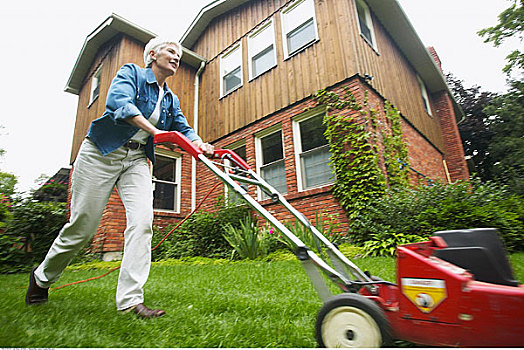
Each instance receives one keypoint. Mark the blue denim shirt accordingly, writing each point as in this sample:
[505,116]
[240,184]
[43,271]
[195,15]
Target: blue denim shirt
[134,91]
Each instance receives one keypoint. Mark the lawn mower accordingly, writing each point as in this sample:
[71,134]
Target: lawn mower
[456,289]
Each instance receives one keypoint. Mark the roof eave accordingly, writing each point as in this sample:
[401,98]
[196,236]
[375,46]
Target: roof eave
[106,31]
[390,14]
[396,22]
[205,16]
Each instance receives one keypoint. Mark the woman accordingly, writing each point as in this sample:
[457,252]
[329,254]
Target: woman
[139,105]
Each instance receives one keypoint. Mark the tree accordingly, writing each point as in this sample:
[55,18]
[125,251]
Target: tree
[474,129]
[2,151]
[492,132]
[7,184]
[511,23]
[506,147]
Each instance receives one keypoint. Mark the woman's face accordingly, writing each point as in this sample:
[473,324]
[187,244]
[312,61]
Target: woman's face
[167,59]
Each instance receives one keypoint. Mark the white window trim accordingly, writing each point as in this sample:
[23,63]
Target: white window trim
[95,82]
[251,54]
[237,46]
[369,22]
[290,7]
[178,177]
[258,149]
[298,145]
[232,147]
[425,96]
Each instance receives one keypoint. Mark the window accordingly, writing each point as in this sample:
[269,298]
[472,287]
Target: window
[231,70]
[166,180]
[312,151]
[261,50]
[299,26]
[95,85]
[240,149]
[270,159]
[364,23]
[424,93]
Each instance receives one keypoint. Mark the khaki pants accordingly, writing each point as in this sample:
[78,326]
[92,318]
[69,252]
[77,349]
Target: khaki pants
[94,177]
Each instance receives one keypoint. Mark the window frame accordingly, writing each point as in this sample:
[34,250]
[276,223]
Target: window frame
[177,157]
[259,156]
[285,12]
[252,54]
[227,190]
[234,48]
[297,138]
[426,102]
[95,85]
[369,22]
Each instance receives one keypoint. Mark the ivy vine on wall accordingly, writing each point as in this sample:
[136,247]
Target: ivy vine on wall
[352,130]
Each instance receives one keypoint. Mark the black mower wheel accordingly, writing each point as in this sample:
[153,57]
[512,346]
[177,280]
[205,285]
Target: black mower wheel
[352,321]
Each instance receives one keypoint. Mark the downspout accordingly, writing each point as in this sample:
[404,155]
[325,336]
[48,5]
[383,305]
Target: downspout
[195,127]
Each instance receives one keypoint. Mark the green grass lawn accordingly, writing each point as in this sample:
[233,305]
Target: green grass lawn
[242,304]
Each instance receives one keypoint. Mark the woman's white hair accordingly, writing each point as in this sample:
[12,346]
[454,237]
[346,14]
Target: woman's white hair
[157,44]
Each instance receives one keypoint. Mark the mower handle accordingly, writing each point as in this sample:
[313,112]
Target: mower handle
[180,140]
[188,146]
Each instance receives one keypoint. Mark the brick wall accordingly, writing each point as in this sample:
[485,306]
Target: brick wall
[454,153]
[110,234]
[425,161]
[456,163]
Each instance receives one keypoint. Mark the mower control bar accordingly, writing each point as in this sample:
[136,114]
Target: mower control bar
[237,170]
[177,138]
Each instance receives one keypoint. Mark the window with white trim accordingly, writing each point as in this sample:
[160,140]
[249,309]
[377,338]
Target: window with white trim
[270,159]
[424,93]
[365,23]
[299,26]
[312,151]
[261,50]
[231,70]
[95,85]
[166,181]
[240,149]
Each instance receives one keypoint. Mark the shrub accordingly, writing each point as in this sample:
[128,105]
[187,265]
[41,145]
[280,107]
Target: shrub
[51,191]
[200,235]
[386,244]
[326,225]
[29,234]
[425,210]
[12,258]
[5,214]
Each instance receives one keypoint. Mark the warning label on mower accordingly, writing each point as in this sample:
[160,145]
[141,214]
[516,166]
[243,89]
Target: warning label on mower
[426,294]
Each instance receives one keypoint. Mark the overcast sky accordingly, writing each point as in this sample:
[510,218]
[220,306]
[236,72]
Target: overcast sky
[42,39]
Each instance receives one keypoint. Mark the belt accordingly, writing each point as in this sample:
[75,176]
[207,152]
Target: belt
[133,145]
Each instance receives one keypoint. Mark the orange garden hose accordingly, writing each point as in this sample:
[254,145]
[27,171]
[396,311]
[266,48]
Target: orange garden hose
[159,243]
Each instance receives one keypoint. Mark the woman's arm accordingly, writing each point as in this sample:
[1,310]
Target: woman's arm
[141,122]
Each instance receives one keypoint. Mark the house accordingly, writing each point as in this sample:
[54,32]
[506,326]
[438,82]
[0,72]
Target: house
[54,189]
[247,82]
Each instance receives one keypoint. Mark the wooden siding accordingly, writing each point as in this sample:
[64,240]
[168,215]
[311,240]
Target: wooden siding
[112,56]
[339,53]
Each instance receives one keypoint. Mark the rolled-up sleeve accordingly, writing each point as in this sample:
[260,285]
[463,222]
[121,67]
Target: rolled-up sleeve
[122,93]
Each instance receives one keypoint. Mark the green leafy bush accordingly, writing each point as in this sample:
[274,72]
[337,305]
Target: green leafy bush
[5,214]
[29,234]
[51,191]
[201,235]
[425,210]
[386,244]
